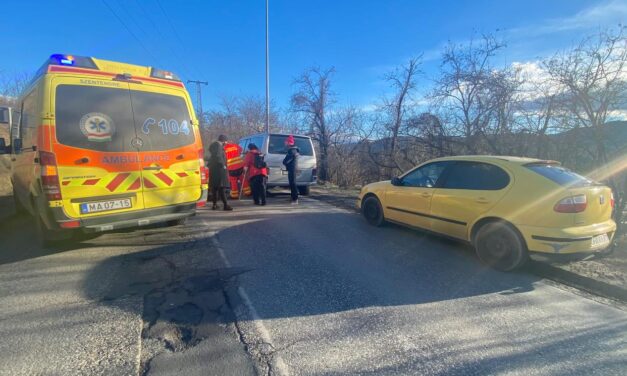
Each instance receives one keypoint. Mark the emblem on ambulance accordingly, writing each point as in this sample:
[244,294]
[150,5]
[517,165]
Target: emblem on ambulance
[97,127]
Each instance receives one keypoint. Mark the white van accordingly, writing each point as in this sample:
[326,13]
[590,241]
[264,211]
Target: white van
[273,146]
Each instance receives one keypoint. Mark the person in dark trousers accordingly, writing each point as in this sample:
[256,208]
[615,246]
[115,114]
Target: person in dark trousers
[256,170]
[217,172]
[291,164]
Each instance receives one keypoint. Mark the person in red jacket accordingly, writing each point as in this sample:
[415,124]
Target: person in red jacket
[235,167]
[256,170]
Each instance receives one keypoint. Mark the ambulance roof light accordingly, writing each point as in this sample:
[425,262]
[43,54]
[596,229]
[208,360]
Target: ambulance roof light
[166,75]
[72,60]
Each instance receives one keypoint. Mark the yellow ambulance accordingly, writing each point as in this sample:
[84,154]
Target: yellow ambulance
[101,145]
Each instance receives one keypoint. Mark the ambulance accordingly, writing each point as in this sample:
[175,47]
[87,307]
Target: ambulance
[101,145]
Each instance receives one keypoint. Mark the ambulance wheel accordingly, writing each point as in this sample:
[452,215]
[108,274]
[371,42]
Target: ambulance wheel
[372,211]
[303,190]
[48,237]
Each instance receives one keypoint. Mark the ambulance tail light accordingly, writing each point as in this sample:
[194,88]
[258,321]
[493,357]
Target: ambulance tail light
[49,176]
[204,171]
[165,75]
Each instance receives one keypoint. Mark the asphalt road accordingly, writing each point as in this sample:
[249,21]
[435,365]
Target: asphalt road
[304,290]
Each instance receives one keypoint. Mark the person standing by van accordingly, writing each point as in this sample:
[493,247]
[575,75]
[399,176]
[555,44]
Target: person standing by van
[291,164]
[217,172]
[256,169]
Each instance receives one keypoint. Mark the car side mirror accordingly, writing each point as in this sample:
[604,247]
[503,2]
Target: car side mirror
[3,146]
[17,145]
[396,181]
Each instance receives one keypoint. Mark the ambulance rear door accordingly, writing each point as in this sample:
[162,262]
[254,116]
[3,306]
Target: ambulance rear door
[93,143]
[170,145]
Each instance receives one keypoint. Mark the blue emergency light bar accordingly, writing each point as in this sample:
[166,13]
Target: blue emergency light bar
[72,61]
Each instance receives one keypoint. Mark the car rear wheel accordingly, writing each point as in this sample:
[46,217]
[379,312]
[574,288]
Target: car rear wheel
[372,211]
[499,246]
[303,190]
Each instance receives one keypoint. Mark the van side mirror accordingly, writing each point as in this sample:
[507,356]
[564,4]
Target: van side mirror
[17,145]
[396,181]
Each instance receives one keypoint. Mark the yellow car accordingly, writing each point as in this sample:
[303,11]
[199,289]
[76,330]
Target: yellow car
[505,207]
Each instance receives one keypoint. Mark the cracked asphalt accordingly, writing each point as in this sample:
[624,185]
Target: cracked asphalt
[305,290]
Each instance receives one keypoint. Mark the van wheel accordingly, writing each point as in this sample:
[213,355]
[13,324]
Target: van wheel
[48,237]
[372,211]
[19,208]
[499,246]
[303,190]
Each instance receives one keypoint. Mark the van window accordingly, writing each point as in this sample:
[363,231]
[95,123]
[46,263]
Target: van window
[95,118]
[277,145]
[163,121]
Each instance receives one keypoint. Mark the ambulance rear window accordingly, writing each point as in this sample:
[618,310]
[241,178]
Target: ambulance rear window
[109,119]
[95,118]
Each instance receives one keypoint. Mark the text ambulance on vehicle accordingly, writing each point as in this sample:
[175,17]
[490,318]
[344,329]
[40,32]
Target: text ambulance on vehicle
[102,145]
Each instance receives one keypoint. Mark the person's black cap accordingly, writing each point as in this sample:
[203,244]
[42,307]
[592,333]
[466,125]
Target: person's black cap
[222,138]
[252,146]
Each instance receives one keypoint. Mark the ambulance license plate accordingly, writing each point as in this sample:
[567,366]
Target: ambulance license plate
[100,206]
[600,240]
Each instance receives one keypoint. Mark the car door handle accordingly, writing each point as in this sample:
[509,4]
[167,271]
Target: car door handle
[482,200]
[153,168]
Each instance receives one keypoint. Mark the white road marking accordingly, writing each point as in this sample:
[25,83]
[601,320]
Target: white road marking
[279,367]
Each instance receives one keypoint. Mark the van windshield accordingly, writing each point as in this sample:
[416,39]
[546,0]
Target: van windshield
[108,119]
[277,145]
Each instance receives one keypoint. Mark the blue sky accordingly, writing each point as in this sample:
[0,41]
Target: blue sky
[222,42]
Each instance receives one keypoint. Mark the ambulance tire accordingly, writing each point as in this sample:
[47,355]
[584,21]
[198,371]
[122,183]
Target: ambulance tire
[48,237]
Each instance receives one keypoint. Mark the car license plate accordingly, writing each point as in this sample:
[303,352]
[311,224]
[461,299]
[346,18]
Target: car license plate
[100,206]
[600,240]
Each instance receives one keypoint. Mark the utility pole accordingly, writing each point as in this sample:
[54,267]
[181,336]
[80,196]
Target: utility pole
[267,74]
[198,94]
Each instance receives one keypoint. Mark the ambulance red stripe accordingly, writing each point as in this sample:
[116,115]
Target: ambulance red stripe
[91,181]
[164,178]
[135,185]
[115,183]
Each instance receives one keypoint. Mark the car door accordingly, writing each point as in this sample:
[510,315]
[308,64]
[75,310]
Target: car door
[98,167]
[409,201]
[467,191]
[166,145]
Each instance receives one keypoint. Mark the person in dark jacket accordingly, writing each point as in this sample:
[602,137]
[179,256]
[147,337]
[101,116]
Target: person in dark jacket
[291,164]
[217,172]
[257,175]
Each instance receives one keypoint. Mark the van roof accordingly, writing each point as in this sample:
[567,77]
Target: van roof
[90,66]
[276,134]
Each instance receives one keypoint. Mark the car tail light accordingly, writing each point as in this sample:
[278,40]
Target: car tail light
[204,171]
[612,202]
[49,176]
[314,173]
[573,204]
[201,204]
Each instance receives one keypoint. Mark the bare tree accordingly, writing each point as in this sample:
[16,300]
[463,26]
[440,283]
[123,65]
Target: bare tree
[313,99]
[594,79]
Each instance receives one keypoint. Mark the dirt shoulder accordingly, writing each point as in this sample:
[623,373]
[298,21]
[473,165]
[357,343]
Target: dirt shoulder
[610,269]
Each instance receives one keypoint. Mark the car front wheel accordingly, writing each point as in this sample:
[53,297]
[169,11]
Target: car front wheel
[499,246]
[372,211]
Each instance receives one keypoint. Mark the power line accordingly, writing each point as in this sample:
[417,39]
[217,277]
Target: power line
[130,31]
[155,25]
[176,34]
